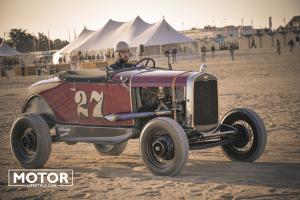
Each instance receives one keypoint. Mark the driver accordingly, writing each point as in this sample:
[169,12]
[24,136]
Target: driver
[122,52]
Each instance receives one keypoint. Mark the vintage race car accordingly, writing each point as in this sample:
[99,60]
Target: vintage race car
[171,112]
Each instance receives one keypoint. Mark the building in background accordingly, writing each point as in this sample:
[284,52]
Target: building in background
[294,23]
[246,37]
[219,37]
[219,32]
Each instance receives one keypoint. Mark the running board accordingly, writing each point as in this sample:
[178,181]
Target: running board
[92,134]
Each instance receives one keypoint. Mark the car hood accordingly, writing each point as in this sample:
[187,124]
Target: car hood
[155,77]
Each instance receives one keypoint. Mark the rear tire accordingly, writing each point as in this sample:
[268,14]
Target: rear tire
[110,149]
[30,140]
[252,136]
[164,146]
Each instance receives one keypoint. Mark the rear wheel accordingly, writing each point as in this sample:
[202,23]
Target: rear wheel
[110,149]
[30,140]
[251,135]
[164,146]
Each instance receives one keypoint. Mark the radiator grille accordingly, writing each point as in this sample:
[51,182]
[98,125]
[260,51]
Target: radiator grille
[205,102]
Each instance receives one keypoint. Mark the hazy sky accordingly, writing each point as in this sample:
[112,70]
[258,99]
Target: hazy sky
[63,16]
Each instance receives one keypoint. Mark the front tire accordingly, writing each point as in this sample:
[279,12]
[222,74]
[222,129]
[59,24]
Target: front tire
[30,140]
[164,146]
[251,135]
[110,149]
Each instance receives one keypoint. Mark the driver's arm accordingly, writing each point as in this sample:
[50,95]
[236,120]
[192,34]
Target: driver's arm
[113,67]
[109,69]
[128,65]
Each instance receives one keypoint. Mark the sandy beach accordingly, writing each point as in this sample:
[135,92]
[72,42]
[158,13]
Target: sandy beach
[257,79]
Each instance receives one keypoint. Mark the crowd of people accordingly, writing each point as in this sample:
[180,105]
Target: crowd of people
[7,62]
[173,54]
[62,60]
[89,57]
[291,45]
[203,51]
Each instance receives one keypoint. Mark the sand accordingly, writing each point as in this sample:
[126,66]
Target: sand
[258,79]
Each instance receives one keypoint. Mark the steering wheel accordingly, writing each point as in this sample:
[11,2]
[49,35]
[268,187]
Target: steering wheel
[140,62]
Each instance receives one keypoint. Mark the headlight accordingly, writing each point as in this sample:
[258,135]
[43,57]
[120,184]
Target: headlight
[203,68]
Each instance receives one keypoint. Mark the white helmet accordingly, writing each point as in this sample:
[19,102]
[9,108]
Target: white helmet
[121,46]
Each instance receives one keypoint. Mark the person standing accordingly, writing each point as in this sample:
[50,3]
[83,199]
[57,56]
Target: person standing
[213,49]
[291,44]
[203,53]
[297,41]
[167,54]
[113,56]
[78,58]
[22,65]
[278,47]
[64,59]
[72,62]
[3,69]
[231,49]
[174,54]
[108,55]
[253,45]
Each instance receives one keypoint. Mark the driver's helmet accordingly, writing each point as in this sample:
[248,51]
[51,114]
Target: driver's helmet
[121,46]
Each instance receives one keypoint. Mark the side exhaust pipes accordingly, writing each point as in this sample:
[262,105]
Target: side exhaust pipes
[128,116]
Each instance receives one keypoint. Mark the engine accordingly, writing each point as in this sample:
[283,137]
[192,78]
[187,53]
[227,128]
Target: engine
[160,99]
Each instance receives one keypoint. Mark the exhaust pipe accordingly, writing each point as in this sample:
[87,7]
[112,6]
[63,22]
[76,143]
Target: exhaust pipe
[128,116]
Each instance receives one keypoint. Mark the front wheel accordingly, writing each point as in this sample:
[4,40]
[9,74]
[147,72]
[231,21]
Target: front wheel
[164,146]
[251,137]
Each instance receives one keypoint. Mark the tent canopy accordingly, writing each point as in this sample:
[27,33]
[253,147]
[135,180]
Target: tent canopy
[83,36]
[112,32]
[6,50]
[160,33]
[135,33]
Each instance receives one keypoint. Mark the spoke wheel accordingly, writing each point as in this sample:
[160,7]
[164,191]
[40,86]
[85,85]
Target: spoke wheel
[251,138]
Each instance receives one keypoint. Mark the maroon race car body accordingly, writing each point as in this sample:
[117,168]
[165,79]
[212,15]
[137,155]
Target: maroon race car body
[60,95]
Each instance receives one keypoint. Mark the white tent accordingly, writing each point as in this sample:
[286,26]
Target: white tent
[112,32]
[134,32]
[6,50]
[130,30]
[83,36]
[160,33]
[56,56]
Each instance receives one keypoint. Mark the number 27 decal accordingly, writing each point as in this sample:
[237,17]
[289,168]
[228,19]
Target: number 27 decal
[82,104]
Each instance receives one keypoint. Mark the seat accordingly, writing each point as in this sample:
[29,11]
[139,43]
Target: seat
[91,75]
